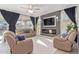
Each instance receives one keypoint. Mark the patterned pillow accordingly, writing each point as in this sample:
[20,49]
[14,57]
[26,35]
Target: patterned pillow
[20,37]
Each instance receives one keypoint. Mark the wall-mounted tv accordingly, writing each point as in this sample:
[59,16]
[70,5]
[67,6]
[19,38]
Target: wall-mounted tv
[51,21]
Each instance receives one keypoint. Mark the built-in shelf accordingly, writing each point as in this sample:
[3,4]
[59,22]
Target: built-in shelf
[48,32]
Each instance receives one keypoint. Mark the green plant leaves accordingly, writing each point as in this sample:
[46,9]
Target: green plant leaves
[71,26]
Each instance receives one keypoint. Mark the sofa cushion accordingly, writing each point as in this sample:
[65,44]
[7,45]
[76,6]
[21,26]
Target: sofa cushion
[20,37]
[26,30]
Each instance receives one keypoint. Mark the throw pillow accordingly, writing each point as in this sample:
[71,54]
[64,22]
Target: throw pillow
[64,35]
[20,37]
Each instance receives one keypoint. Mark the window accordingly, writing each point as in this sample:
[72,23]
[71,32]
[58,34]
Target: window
[3,25]
[24,22]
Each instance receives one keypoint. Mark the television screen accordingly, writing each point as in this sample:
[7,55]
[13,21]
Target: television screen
[49,21]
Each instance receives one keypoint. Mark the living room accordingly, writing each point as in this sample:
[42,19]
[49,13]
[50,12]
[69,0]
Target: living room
[38,28]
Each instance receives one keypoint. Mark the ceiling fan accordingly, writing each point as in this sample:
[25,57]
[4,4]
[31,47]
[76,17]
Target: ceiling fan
[31,9]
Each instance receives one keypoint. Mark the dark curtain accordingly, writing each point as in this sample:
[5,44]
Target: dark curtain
[37,19]
[11,18]
[71,14]
[33,21]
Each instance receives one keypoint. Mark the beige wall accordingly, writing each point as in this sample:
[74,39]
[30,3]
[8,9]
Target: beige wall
[38,28]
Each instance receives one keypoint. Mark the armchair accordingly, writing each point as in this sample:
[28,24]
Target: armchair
[65,43]
[18,47]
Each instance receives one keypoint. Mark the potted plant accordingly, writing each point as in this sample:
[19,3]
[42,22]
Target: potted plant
[71,27]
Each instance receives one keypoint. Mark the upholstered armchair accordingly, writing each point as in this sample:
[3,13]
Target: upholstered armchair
[66,43]
[18,47]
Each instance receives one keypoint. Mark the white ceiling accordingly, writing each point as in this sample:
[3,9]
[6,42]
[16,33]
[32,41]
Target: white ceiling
[44,8]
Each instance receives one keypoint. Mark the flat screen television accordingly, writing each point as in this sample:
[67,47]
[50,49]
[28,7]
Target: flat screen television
[49,21]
